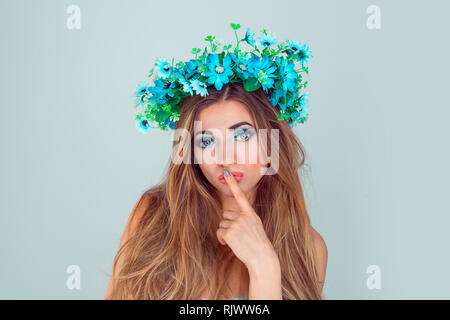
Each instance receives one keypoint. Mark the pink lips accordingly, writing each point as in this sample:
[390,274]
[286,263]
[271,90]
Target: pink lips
[237,175]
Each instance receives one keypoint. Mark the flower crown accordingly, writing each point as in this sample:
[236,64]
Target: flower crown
[279,76]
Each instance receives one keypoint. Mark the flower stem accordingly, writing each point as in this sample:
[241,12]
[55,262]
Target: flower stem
[237,40]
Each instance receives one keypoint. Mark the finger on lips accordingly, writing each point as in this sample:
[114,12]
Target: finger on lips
[237,192]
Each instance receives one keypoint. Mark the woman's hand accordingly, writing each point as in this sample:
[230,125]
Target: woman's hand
[244,233]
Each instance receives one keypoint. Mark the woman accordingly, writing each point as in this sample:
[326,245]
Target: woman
[201,235]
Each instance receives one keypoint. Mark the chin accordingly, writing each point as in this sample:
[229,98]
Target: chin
[227,191]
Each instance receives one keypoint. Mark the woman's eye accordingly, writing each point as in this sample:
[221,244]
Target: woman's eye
[205,142]
[243,134]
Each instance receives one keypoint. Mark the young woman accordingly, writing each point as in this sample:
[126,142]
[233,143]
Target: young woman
[200,234]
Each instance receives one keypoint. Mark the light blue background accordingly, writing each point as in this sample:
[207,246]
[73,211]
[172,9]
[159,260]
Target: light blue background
[73,164]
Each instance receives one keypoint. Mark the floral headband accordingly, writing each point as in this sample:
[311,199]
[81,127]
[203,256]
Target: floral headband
[265,66]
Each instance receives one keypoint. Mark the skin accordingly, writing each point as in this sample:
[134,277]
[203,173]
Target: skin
[218,118]
[241,228]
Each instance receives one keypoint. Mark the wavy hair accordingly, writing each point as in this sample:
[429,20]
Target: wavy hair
[173,252]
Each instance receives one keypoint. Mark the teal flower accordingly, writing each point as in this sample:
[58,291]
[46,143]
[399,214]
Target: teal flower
[160,90]
[141,90]
[275,96]
[303,104]
[267,40]
[141,94]
[170,123]
[290,102]
[287,72]
[143,125]
[294,46]
[304,54]
[242,65]
[192,68]
[249,37]
[186,86]
[218,73]
[263,71]
[163,67]
[199,87]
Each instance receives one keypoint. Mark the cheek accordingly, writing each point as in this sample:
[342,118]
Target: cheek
[205,156]
[207,171]
[252,175]
[248,152]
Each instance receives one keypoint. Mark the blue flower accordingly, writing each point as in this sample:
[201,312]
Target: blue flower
[186,86]
[275,96]
[143,125]
[170,123]
[263,70]
[242,65]
[217,73]
[140,93]
[252,63]
[267,40]
[286,70]
[303,102]
[294,46]
[141,90]
[199,87]
[192,67]
[163,67]
[304,54]
[249,37]
[290,102]
[160,90]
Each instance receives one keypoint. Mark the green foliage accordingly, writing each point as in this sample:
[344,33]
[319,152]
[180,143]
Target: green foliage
[251,84]
[235,26]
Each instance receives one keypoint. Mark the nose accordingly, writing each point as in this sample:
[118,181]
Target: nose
[229,153]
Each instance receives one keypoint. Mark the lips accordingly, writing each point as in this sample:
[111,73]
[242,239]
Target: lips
[236,174]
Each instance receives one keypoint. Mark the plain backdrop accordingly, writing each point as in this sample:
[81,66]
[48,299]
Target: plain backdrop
[73,163]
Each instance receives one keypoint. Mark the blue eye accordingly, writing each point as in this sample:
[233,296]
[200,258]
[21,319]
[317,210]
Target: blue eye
[244,133]
[206,142]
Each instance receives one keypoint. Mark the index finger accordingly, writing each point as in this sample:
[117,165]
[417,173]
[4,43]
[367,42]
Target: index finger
[238,194]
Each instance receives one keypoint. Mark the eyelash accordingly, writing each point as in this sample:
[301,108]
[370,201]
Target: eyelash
[242,131]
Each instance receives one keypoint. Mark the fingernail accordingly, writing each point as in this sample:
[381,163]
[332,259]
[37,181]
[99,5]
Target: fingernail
[226,172]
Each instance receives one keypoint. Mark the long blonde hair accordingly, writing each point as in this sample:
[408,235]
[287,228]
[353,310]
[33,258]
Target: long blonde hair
[174,252]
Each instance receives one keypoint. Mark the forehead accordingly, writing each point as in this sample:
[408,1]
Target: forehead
[224,114]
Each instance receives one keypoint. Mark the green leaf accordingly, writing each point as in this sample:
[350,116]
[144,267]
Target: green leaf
[251,84]
[176,99]
[237,77]
[162,115]
[235,26]
[221,56]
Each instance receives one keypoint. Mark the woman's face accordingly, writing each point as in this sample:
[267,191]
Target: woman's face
[212,152]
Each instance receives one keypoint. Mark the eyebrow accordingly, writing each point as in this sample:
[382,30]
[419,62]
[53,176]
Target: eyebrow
[234,126]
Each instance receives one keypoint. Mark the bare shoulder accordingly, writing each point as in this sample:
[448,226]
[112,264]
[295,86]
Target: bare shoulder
[321,256]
